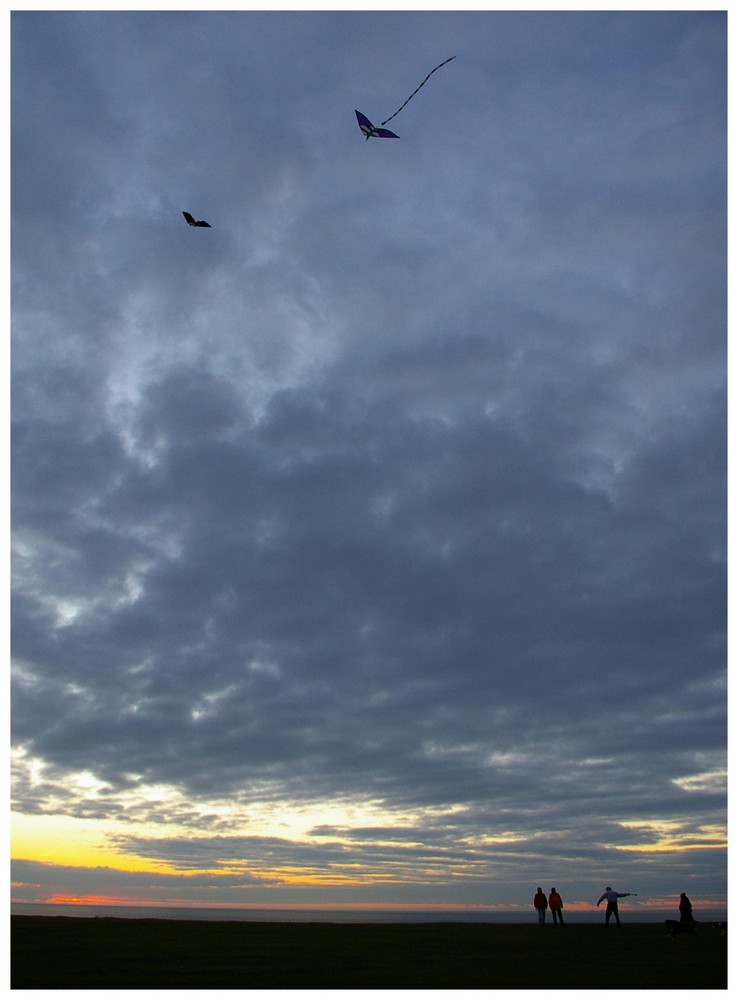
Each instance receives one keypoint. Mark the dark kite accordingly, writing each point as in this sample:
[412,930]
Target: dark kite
[193,222]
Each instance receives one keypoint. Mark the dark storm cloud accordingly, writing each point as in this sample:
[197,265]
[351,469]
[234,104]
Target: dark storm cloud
[405,482]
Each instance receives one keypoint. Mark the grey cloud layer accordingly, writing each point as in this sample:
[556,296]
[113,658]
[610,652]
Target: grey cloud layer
[406,481]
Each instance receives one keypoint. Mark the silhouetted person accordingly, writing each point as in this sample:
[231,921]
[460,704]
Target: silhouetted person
[540,902]
[556,905]
[685,909]
[612,898]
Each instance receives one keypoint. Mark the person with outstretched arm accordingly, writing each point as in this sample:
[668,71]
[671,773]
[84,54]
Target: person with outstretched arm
[612,898]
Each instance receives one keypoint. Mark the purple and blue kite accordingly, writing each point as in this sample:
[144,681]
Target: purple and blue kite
[369,130]
[376,131]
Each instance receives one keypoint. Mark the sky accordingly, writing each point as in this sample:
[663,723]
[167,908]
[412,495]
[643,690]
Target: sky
[369,547]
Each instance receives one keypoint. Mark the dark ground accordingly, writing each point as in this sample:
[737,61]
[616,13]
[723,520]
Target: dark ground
[113,953]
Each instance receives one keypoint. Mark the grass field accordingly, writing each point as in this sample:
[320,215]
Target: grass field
[111,953]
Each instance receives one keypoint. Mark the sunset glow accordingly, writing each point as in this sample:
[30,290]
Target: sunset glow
[66,840]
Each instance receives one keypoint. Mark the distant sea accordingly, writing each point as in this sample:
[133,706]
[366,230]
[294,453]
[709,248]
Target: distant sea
[634,914]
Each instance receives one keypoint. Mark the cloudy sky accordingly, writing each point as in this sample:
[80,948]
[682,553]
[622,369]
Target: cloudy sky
[369,546]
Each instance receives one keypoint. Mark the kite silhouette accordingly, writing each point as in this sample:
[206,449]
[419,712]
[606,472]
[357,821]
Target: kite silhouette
[376,131]
[192,222]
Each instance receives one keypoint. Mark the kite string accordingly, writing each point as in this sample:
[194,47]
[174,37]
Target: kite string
[417,89]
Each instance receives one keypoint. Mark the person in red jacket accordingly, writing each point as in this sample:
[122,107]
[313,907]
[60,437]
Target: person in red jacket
[685,909]
[540,902]
[556,905]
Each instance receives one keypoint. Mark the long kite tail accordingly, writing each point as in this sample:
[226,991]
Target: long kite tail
[417,89]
